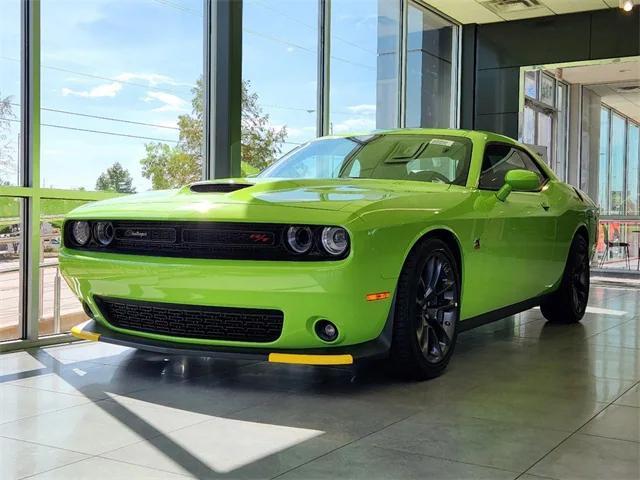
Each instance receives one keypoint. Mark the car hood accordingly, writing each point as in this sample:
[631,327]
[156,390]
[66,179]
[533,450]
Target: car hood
[267,198]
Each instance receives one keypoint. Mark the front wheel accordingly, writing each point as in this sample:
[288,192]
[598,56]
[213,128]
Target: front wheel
[426,312]
[568,303]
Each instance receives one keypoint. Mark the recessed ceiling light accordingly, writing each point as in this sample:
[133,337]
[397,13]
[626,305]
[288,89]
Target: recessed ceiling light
[626,5]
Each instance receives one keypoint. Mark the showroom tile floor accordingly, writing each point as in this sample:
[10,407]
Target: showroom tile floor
[521,399]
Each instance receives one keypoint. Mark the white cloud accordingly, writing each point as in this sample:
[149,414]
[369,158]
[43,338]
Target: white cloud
[363,109]
[113,88]
[354,125]
[153,79]
[172,103]
[104,90]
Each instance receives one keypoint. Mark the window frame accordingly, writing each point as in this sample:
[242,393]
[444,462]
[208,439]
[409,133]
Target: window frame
[545,176]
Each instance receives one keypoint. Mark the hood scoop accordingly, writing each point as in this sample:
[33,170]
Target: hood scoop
[218,187]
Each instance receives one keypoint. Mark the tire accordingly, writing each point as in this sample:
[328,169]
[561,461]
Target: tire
[568,303]
[427,309]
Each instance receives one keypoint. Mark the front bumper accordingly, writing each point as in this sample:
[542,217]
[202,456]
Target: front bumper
[304,292]
[377,348]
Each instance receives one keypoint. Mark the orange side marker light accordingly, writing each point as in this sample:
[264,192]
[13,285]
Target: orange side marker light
[372,297]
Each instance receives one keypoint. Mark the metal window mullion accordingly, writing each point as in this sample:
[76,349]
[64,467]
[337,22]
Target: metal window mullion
[224,89]
[207,78]
[609,148]
[625,165]
[402,64]
[456,66]
[324,68]
[30,145]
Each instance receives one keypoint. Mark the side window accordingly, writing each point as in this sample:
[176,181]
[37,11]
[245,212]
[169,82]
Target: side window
[500,159]
[533,166]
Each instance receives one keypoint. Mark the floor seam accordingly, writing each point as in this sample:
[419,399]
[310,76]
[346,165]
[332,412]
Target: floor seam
[156,469]
[58,467]
[608,438]
[342,446]
[454,460]
[31,442]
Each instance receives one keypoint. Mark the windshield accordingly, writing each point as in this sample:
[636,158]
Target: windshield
[427,158]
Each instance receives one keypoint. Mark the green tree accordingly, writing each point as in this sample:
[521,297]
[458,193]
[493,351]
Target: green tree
[116,179]
[173,166]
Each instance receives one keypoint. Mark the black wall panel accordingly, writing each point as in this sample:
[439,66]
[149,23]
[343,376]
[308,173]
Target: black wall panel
[468,81]
[504,123]
[615,34]
[495,90]
[534,41]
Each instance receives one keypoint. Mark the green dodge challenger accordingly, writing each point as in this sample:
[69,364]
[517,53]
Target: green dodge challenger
[380,245]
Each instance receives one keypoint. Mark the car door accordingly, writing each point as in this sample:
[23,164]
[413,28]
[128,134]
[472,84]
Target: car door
[519,234]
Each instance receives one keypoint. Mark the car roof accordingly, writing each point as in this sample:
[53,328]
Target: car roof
[473,134]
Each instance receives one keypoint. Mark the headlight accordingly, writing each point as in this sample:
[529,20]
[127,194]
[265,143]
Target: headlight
[300,239]
[335,240]
[103,232]
[81,232]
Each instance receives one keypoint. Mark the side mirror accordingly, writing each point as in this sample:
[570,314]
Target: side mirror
[520,181]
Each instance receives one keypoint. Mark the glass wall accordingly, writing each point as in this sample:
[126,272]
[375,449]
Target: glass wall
[11,245]
[633,153]
[616,165]
[365,40]
[282,41]
[59,307]
[9,91]
[280,70]
[545,119]
[562,133]
[120,96]
[122,109]
[603,166]
[431,41]
[619,195]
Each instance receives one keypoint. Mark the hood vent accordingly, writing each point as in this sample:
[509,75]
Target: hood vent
[218,187]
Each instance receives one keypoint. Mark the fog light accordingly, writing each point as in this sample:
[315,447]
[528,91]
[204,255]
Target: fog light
[326,330]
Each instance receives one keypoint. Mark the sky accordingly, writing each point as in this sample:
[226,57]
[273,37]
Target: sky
[125,68]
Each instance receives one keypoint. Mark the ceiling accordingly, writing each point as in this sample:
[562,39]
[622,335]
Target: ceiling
[627,103]
[614,82]
[488,11]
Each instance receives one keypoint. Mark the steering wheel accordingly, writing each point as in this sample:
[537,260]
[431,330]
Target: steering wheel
[430,176]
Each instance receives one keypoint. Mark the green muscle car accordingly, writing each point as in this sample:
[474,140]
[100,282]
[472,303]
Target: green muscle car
[387,245]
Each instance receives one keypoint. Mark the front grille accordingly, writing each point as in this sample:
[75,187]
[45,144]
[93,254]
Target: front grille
[193,321]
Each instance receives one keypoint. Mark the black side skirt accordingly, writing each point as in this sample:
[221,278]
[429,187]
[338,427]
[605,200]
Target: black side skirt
[498,314]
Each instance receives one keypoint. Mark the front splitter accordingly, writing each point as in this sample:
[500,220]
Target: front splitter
[94,331]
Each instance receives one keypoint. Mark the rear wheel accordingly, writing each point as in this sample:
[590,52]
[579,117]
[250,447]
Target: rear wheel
[426,311]
[569,302]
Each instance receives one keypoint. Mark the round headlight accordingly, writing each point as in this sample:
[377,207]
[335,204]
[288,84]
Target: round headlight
[335,240]
[300,239]
[103,232]
[81,232]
